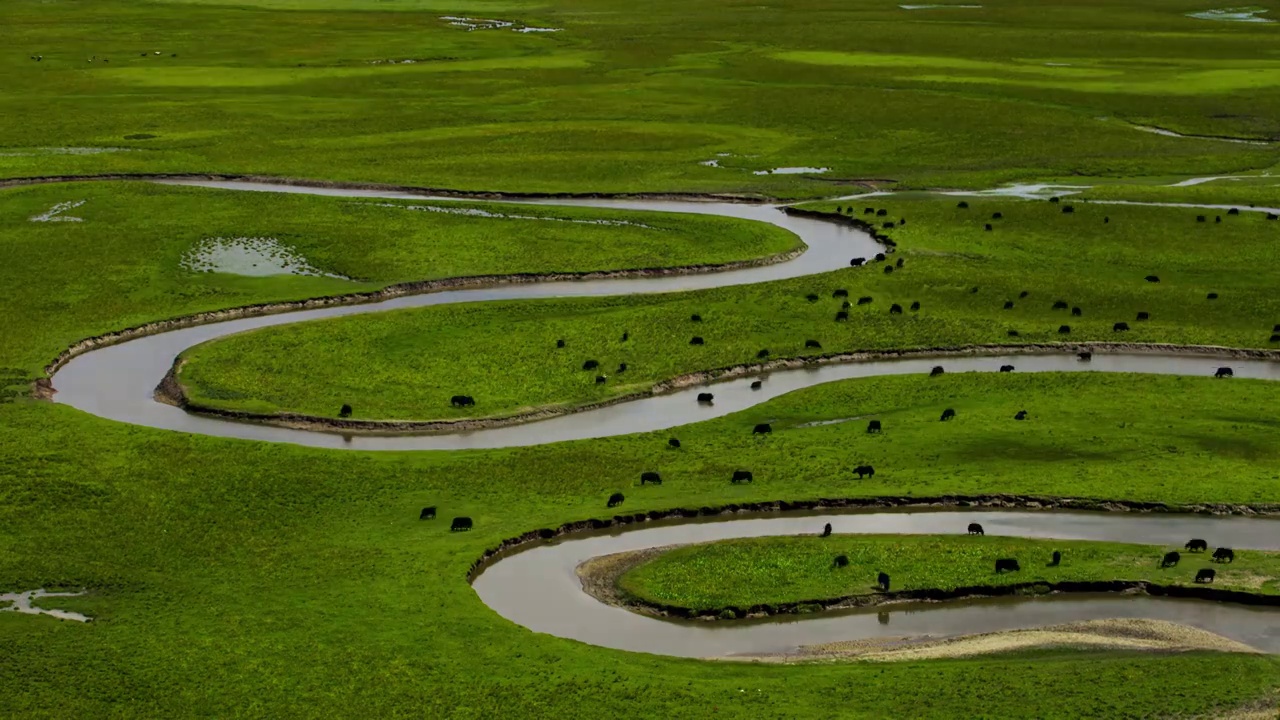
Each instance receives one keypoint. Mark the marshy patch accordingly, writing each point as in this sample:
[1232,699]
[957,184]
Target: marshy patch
[21,603]
[57,213]
[251,256]
[1240,14]
[471,24]
[43,151]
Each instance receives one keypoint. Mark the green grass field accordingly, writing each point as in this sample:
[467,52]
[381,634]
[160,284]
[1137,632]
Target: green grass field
[242,579]
[768,571]
[630,97]
[406,364]
[122,265]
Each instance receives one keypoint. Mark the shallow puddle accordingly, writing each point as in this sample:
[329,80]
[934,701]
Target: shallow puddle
[21,602]
[793,171]
[56,213]
[1243,14]
[253,256]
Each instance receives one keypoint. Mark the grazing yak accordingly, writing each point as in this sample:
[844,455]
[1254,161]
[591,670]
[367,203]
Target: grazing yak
[936,371]
[695,318]
[1013,333]
[1153,278]
[1233,211]
[1274,338]
[1056,560]
[879,257]
[560,343]
[344,411]
[1076,312]
[762,429]
[1196,545]
[883,581]
[997,216]
[1021,415]
[841,292]
[1064,329]
[706,397]
[1144,315]
[1068,209]
[846,305]
[1170,559]
[1054,200]
[1007,565]
[873,426]
[811,297]
[1008,304]
[1223,372]
[1201,218]
[865,300]
[888,225]
[962,205]
[1060,305]
[865,471]
[840,561]
[741,476]
[1023,294]
[460,524]
[987,227]
[428,513]
[826,530]
[756,385]
[696,340]
[857,262]
[673,442]
[590,365]
[1006,368]
[650,477]
[888,269]
[1224,555]
[1211,296]
[842,315]
[1205,575]
[1120,327]
[882,212]
[1273,216]
[948,414]
[915,305]
[763,353]
[626,335]
[976,529]
[901,262]
[895,309]
[616,499]
[600,379]
[813,344]
[1085,356]
[622,367]
[462,401]
[869,211]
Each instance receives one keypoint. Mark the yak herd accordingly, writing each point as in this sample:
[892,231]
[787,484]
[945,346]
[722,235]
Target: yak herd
[1004,565]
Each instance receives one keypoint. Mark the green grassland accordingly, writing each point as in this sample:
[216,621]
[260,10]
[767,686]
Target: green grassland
[633,97]
[259,579]
[757,571]
[122,265]
[407,364]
